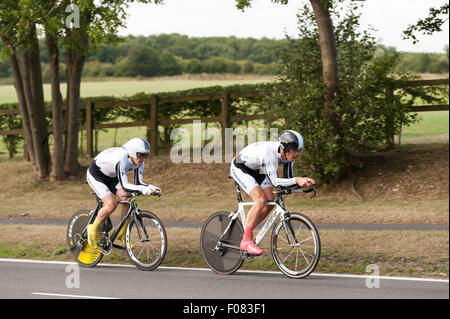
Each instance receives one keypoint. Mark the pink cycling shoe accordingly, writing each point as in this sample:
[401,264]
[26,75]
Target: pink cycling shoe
[250,247]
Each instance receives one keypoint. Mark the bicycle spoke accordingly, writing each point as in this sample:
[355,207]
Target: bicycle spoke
[306,239]
[306,259]
[292,250]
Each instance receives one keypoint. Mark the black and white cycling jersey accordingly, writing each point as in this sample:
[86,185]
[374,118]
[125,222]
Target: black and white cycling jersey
[257,164]
[108,172]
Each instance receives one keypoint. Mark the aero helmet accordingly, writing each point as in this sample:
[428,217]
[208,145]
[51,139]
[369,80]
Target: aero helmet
[137,145]
[290,139]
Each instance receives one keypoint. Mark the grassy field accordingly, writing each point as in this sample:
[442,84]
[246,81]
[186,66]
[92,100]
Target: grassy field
[126,87]
[431,127]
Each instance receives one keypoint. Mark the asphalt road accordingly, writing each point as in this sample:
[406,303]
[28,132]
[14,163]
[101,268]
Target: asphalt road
[27,279]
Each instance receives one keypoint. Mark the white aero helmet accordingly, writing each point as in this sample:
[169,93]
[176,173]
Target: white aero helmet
[290,139]
[137,145]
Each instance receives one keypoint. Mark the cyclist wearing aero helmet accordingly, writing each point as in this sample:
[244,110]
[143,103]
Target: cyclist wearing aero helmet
[255,170]
[107,176]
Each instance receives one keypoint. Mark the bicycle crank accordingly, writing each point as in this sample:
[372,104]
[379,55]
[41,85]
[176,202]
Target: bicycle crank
[106,245]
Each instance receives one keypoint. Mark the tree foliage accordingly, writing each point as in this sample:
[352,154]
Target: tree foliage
[367,122]
[429,25]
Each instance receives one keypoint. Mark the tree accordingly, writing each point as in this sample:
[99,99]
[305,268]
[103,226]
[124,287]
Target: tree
[367,122]
[99,23]
[433,23]
[141,61]
[328,53]
[77,27]
[18,32]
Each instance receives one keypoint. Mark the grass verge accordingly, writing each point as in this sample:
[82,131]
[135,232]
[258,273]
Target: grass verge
[396,253]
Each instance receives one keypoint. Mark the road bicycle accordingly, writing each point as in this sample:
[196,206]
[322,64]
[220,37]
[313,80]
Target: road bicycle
[145,236]
[295,241]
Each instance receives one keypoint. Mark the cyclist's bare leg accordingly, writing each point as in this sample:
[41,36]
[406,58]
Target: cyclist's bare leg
[259,198]
[121,192]
[109,205]
[121,234]
[267,208]
[253,217]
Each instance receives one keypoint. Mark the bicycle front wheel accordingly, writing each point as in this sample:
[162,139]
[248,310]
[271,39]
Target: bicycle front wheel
[295,246]
[146,240]
[221,259]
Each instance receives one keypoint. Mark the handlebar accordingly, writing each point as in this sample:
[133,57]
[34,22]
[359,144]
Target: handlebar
[137,193]
[294,189]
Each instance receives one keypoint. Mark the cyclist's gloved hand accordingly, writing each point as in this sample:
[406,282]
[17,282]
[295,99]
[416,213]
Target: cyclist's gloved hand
[150,190]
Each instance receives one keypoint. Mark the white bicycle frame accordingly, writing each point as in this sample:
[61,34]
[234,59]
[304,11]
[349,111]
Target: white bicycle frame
[279,212]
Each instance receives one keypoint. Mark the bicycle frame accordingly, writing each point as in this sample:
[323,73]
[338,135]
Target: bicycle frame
[132,206]
[280,212]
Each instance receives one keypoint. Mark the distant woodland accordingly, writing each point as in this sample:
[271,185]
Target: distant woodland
[174,54]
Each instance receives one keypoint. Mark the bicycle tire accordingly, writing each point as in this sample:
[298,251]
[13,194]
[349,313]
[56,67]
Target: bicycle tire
[296,261]
[149,253]
[226,261]
[81,252]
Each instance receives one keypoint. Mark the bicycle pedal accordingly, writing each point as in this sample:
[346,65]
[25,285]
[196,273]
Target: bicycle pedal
[247,256]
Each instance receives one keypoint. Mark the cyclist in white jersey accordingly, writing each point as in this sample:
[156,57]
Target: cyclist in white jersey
[255,170]
[107,176]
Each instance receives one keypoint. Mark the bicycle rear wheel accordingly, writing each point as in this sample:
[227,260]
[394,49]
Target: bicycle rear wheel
[296,260]
[220,259]
[82,253]
[146,240]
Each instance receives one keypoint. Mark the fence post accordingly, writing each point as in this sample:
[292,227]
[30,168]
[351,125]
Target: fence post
[154,124]
[225,110]
[89,129]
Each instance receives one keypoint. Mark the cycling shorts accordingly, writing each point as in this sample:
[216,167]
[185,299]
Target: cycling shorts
[248,178]
[101,184]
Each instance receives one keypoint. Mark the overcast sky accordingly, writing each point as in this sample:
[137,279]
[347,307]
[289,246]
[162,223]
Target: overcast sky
[202,18]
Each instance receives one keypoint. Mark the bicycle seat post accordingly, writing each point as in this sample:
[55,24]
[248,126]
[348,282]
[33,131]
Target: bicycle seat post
[238,192]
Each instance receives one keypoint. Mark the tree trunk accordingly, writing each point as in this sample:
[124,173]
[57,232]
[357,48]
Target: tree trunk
[23,109]
[57,172]
[41,166]
[37,90]
[329,60]
[75,62]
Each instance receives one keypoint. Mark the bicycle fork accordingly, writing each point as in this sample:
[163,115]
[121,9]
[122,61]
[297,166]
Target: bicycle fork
[289,230]
[140,225]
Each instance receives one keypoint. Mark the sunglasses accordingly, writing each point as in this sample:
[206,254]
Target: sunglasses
[141,156]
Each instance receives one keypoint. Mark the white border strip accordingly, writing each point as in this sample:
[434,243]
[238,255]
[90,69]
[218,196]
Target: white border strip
[71,296]
[247,271]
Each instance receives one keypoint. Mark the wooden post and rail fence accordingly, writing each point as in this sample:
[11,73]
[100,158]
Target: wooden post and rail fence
[225,119]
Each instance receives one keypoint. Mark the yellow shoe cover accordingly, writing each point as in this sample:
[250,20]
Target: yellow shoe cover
[121,237]
[89,255]
[121,234]
[92,235]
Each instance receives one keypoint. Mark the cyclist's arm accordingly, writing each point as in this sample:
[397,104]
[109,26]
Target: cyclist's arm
[271,172]
[138,172]
[288,169]
[123,179]
[138,175]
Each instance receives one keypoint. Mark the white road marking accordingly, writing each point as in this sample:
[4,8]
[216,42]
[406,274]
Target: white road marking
[70,296]
[247,271]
